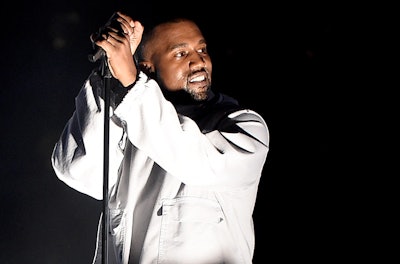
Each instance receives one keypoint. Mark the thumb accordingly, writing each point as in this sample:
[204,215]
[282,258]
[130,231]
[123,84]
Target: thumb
[136,36]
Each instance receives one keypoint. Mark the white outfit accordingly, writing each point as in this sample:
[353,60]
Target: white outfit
[180,195]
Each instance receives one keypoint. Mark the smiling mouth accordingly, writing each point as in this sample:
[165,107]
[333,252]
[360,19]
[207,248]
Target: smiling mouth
[198,78]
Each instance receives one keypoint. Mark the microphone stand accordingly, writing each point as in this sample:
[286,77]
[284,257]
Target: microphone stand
[106,74]
[107,84]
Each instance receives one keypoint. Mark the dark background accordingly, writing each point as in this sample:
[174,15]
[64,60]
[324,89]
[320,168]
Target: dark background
[296,64]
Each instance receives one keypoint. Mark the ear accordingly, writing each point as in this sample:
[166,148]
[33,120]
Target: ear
[146,67]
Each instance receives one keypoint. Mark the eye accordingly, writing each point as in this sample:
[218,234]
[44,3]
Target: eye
[202,50]
[180,54]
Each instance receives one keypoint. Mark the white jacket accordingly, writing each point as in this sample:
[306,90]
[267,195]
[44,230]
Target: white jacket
[180,195]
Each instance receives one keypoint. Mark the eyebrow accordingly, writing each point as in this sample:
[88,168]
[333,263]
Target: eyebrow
[181,45]
[177,46]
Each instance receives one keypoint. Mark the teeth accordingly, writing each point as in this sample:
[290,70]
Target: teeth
[198,79]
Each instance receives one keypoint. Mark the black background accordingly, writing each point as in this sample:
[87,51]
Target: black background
[296,64]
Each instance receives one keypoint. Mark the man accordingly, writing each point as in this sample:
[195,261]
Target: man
[184,162]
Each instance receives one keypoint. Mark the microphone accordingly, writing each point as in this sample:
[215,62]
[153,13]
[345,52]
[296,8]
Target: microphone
[100,53]
[111,25]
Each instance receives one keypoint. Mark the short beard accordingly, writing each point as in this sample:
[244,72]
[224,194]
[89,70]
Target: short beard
[198,96]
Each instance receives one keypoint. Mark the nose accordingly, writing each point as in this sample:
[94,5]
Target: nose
[197,60]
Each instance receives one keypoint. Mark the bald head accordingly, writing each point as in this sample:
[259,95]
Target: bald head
[156,36]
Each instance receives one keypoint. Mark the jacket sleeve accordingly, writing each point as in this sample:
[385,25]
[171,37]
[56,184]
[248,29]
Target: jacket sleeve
[233,158]
[77,157]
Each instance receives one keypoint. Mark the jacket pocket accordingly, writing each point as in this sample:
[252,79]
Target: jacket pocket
[193,228]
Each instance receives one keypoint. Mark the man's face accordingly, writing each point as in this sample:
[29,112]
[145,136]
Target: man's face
[181,60]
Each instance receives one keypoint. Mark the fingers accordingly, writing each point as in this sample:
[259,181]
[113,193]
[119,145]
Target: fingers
[129,25]
[132,35]
[126,23]
[107,41]
[114,37]
[126,18]
[138,28]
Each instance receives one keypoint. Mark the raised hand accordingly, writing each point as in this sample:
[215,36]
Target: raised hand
[120,48]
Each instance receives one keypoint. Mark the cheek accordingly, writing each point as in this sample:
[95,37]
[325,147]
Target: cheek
[173,79]
[209,66]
